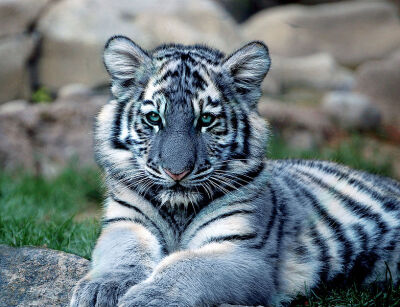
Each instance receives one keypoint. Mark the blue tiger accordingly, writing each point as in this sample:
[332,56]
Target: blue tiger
[196,216]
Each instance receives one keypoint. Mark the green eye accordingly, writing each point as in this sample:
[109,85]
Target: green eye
[206,119]
[153,118]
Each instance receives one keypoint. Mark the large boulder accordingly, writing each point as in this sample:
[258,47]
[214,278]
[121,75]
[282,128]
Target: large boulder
[317,71]
[32,276]
[303,127]
[351,111]
[380,81]
[17,16]
[75,32]
[195,22]
[46,137]
[15,52]
[352,31]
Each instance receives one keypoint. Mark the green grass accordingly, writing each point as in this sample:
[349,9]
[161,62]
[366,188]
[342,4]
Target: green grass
[40,211]
[348,152]
[42,95]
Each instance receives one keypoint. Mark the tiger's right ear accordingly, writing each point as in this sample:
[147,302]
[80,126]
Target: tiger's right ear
[127,64]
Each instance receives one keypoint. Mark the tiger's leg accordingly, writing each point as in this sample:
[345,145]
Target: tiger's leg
[125,254]
[213,274]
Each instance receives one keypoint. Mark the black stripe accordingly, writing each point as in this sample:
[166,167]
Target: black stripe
[150,196]
[272,218]
[365,261]
[198,82]
[281,224]
[247,135]
[147,102]
[221,216]
[235,124]
[122,219]
[245,178]
[323,250]
[335,226]
[130,206]
[248,236]
[356,208]
[387,203]
[117,144]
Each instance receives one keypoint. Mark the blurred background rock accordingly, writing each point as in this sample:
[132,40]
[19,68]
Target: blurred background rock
[335,69]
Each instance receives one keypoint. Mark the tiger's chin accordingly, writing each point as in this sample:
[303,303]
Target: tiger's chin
[178,198]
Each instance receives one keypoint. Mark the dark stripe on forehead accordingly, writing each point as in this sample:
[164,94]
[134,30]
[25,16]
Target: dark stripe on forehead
[213,102]
[147,102]
[168,74]
[198,81]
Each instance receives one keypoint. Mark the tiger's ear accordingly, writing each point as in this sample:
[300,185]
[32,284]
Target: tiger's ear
[127,64]
[248,67]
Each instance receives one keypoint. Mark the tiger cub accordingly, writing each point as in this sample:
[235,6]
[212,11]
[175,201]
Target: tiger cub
[195,215]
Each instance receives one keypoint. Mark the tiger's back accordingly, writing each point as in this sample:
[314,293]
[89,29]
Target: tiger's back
[351,228]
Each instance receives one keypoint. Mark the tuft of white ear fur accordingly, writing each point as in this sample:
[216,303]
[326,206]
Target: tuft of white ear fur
[122,57]
[128,65]
[248,67]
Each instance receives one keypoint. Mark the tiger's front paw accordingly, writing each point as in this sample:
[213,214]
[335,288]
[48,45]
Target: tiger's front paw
[104,291]
[153,295]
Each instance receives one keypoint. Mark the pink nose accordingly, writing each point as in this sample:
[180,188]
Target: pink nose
[176,177]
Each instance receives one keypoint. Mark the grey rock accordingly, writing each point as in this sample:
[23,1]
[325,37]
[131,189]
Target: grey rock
[285,114]
[195,22]
[317,71]
[14,53]
[380,81]
[16,16]
[32,276]
[351,110]
[74,36]
[303,126]
[46,137]
[301,140]
[74,90]
[352,31]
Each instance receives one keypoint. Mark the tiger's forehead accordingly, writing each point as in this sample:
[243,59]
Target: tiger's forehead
[183,80]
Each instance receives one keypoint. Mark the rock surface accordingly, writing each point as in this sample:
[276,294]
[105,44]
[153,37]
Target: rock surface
[317,71]
[192,23]
[17,16]
[352,31]
[14,54]
[74,37]
[45,137]
[380,80]
[352,110]
[297,123]
[31,276]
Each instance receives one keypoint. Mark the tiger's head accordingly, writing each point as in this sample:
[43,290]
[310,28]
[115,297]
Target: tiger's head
[182,126]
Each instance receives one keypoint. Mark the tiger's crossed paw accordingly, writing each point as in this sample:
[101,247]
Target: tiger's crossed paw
[149,294]
[104,291]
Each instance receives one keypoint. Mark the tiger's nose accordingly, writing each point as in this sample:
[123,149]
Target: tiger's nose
[176,177]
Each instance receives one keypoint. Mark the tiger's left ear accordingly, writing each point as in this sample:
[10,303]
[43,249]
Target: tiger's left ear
[127,64]
[248,67]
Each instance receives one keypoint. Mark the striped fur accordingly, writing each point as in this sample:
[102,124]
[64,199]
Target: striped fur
[237,229]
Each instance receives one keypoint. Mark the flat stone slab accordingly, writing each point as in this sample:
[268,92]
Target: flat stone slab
[32,276]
